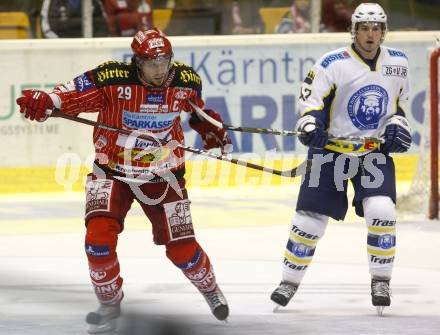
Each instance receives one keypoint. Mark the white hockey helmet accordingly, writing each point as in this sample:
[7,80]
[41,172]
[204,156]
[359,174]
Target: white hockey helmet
[368,12]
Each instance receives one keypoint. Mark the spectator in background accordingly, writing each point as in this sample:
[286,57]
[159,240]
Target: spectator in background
[126,17]
[335,16]
[246,18]
[297,19]
[63,18]
[197,17]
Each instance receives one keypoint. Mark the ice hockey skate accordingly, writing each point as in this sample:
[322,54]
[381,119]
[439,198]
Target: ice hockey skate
[217,303]
[380,294]
[283,294]
[104,319]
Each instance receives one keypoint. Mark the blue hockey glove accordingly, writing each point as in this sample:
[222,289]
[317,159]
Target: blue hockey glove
[397,135]
[313,132]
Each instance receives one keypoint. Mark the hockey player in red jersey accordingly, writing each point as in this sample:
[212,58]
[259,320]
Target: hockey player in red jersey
[146,96]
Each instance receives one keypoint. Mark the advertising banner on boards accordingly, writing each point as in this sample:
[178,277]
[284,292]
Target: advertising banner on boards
[252,81]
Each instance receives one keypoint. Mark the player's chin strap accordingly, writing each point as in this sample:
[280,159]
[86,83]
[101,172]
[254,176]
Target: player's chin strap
[297,171]
[218,124]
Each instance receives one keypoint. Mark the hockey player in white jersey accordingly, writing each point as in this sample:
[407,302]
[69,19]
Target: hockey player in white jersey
[359,90]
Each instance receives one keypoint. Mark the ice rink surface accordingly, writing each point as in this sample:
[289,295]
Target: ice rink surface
[45,289]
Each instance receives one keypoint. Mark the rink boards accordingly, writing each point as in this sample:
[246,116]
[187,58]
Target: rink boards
[204,173]
[250,80]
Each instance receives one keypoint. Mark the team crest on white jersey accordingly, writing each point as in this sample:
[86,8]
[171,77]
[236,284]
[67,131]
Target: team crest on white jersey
[367,106]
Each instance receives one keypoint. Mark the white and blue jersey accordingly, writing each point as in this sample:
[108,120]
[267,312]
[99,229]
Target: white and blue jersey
[354,96]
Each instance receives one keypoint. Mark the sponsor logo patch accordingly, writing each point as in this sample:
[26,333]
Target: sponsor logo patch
[331,58]
[190,77]
[140,37]
[97,250]
[303,234]
[155,99]
[98,195]
[145,171]
[198,275]
[145,155]
[343,146]
[149,108]
[396,53]
[156,43]
[394,70]
[133,142]
[104,75]
[181,94]
[207,283]
[153,108]
[107,291]
[310,77]
[380,260]
[179,219]
[83,83]
[98,275]
[101,142]
[384,223]
[148,121]
[294,266]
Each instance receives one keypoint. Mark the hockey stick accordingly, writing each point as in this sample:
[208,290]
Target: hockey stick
[218,124]
[297,171]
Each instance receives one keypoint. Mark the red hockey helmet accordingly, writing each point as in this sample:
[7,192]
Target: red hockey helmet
[151,44]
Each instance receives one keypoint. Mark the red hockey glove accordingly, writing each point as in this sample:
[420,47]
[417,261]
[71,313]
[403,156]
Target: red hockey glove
[212,136]
[34,104]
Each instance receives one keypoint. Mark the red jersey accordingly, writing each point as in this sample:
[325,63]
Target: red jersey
[114,91]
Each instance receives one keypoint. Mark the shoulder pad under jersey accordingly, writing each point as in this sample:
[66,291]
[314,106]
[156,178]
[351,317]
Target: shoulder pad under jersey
[114,73]
[185,76]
